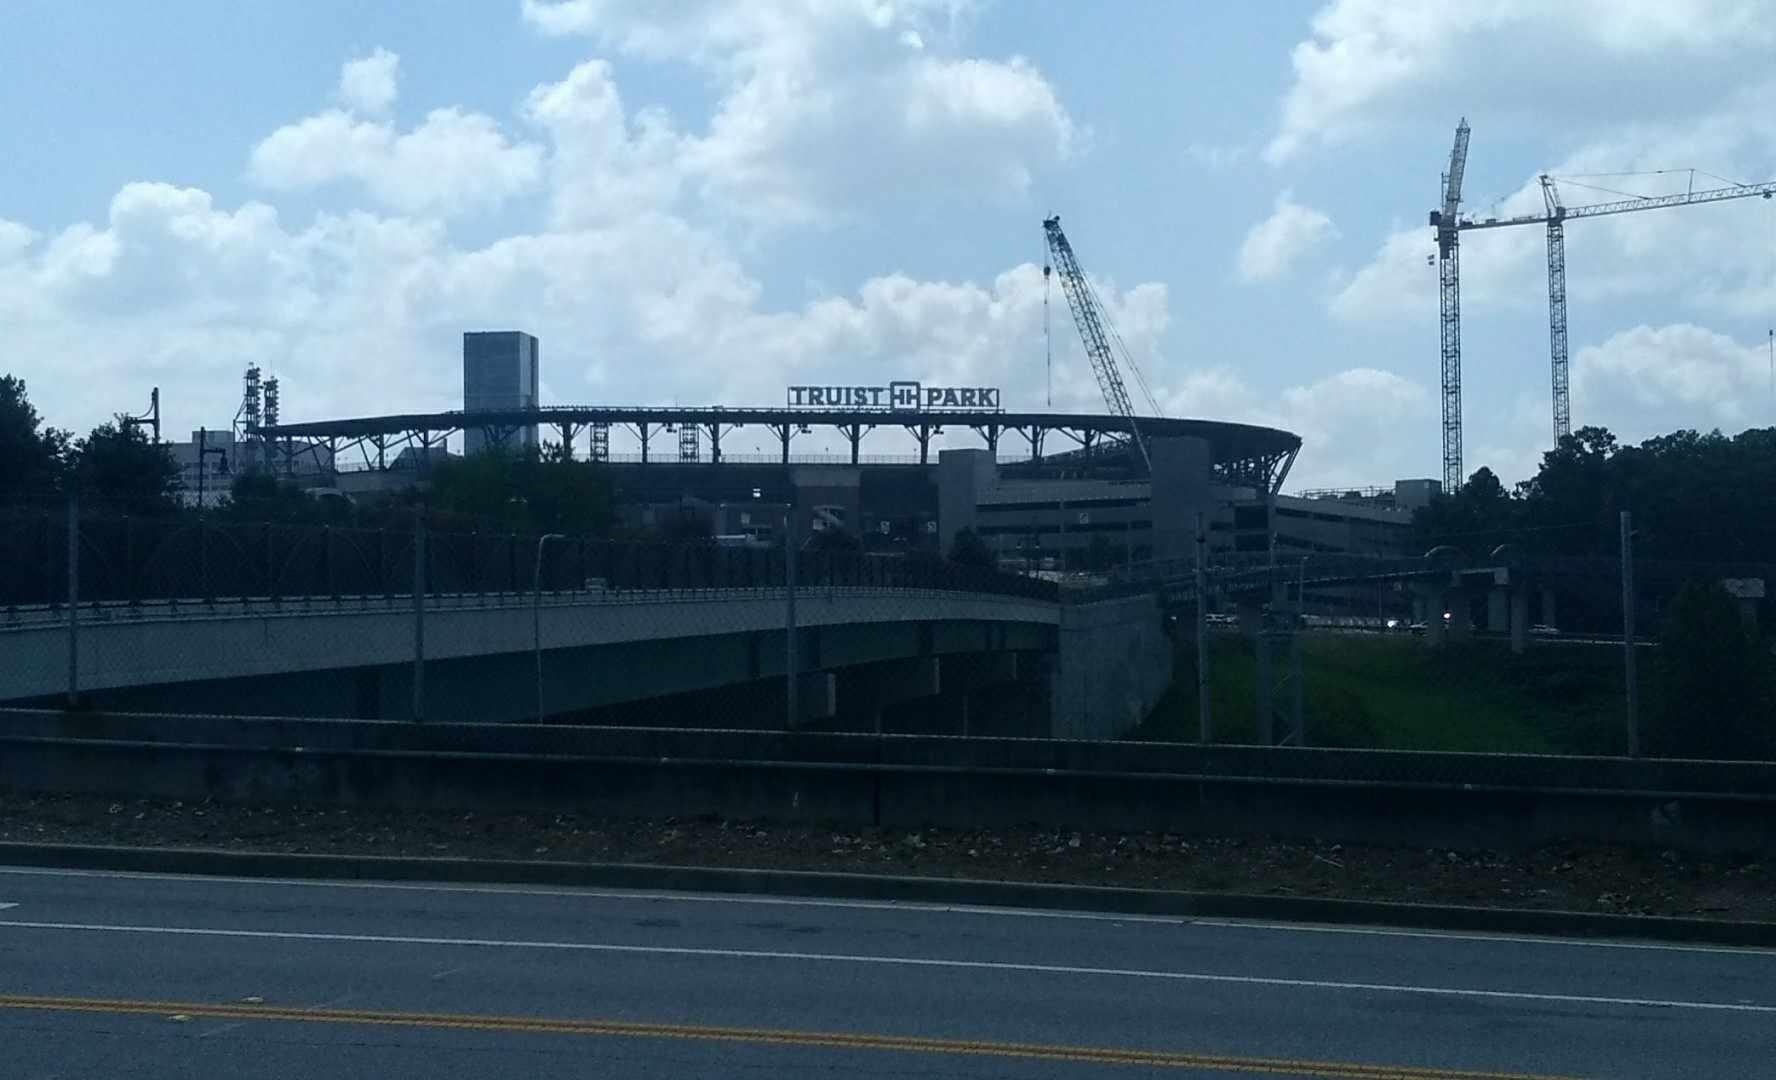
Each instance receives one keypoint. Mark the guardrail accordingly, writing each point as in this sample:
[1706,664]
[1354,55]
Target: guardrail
[179,560]
[1466,800]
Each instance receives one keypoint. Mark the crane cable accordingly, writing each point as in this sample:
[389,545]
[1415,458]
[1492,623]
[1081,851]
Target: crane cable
[1048,356]
[1126,357]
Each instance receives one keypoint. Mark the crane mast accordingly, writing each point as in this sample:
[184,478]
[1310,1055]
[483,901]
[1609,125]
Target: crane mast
[1091,329]
[1447,224]
[1557,308]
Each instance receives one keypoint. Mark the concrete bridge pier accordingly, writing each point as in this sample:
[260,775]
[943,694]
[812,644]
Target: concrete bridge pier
[1112,663]
[1429,601]
[965,677]
[868,690]
[817,697]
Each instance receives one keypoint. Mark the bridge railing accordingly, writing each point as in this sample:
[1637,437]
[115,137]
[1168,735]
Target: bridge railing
[186,559]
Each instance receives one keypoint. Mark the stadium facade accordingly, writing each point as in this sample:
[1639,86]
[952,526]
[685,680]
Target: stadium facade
[1043,489]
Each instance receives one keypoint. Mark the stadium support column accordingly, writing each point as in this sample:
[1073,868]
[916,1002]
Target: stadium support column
[641,432]
[715,442]
[568,432]
[783,433]
[854,435]
[922,432]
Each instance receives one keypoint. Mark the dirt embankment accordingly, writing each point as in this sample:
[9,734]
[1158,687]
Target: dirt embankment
[1555,878]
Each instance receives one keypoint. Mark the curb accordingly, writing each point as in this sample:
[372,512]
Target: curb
[922,890]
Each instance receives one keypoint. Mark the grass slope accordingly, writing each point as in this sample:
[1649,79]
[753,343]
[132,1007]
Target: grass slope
[1393,693]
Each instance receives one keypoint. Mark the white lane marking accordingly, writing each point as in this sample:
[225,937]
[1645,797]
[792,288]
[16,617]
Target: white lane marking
[7,907]
[896,961]
[1760,951]
[894,905]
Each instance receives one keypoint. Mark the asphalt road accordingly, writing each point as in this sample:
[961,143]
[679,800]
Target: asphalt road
[107,975]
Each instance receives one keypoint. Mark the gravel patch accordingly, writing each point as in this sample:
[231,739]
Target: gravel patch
[1561,877]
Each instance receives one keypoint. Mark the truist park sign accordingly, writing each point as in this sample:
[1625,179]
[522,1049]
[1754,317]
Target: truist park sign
[895,396]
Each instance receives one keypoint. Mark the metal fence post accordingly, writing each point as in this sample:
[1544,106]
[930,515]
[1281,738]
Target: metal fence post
[536,617]
[129,560]
[1205,725]
[790,674]
[73,602]
[271,592]
[419,598]
[1632,684]
[1266,715]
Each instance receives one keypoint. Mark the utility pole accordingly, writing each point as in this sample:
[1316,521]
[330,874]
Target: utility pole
[73,602]
[536,618]
[203,462]
[790,674]
[1633,687]
[419,599]
[1206,726]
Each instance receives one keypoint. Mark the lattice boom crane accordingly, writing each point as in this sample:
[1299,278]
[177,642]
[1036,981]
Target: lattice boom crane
[1091,322]
[1450,225]
[1449,300]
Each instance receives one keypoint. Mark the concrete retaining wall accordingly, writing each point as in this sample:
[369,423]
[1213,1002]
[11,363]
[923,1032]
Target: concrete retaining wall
[1113,664]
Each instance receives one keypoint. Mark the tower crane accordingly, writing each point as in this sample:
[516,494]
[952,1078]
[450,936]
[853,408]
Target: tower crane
[1450,225]
[1092,323]
[1446,221]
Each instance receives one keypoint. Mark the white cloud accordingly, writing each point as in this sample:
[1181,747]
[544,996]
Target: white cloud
[1357,426]
[603,166]
[822,104]
[1370,62]
[1273,246]
[1681,375]
[368,85]
[14,239]
[453,162]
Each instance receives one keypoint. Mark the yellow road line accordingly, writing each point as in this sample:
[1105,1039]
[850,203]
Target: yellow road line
[764,1036]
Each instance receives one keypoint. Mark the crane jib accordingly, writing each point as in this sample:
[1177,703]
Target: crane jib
[1090,321]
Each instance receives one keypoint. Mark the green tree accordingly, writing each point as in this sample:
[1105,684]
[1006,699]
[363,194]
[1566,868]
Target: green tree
[258,495]
[968,549]
[118,466]
[31,455]
[535,492]
[1477,517]
[686,525]
[1715,702]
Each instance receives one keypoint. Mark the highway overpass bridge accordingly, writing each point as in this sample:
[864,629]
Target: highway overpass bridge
[1094,669]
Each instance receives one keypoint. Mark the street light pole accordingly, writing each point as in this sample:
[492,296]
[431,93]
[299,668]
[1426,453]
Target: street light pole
[1631,682]
[536,617]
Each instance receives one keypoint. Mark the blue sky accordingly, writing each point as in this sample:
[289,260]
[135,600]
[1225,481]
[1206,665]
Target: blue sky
[701,203]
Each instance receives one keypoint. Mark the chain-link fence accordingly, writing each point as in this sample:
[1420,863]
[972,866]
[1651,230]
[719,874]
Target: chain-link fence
[209,613]
[1508,653]
[430,620]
